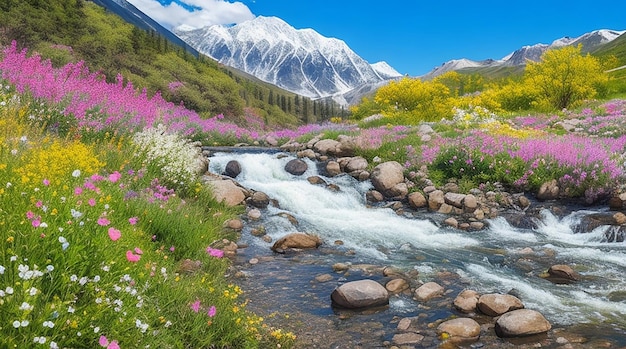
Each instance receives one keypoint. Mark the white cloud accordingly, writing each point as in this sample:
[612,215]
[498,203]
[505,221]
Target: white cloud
[212,12]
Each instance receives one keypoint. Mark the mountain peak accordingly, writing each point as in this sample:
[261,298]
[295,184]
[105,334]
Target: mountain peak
[298,60]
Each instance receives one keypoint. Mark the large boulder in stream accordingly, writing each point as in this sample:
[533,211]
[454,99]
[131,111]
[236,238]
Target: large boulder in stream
[460,330]
[296,241]
[233,169]
[296,167]
[495,304]
[226,191]
[360,294]
[522,322]
[388,179]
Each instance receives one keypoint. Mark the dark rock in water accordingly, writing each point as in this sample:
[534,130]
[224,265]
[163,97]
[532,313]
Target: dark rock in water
[259,199]
[233,169]
[592,221]
[615,233]
[617,296]
[296,167]
[316,180]
[562,274]
[522,220]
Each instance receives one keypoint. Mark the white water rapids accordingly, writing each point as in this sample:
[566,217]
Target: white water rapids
[492,260]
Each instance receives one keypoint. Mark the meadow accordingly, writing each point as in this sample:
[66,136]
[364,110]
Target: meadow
[110,239]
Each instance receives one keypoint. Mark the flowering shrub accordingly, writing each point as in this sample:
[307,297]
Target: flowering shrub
[53,160]
[168,156]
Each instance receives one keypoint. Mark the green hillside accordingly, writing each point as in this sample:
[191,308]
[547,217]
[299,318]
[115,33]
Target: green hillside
[615,49]
[73,30]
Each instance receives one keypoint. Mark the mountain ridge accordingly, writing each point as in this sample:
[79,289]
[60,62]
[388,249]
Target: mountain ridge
[299,60]
[589,41]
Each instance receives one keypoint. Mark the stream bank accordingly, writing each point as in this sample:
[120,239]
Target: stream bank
[293,290]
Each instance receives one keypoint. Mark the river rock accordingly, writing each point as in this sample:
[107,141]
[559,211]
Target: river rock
[227,191]
[548,191]
[333,168]
[360,294]
[259,199]
[297,241]
[435,200]
[563,272]
[467,301]
[592,221]
[417,200]
[495,304]
[615,233]
[408,338]
[460,329]
[397,285]
[523,201]
[234,224]
[296,167]
[522,322]
[326,146]
[454,199]
[374,196]
[254,214]
[386,176]
[306,153]
[233,169]
[470,203]
[452,222]
[620,218]
[428,291]
[356,163]
[445,209]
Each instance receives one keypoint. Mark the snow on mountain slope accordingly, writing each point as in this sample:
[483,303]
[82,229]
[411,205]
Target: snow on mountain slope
[301,61]
[589,42]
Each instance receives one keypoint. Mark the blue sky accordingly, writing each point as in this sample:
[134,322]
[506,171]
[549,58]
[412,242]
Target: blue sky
[413,36]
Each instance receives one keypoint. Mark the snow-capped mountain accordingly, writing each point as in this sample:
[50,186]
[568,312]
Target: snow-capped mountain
[298,60]
[589,42]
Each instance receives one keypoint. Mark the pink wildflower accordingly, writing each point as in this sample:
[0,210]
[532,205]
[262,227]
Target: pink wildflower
[90,186]
[36,222]
[133,220]
[115,176]
[195,306]
[46,182]
[30,215]
[78,191]
[214,252]
[113,345]
[138,250]
[103,222]
[131,257]
[103,341]
[114,234]
[92,202]
[212,311]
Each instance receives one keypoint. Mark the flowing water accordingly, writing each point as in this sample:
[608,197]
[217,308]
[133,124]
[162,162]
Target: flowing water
[497,259]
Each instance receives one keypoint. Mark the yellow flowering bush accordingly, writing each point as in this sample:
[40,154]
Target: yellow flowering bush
[55,160]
